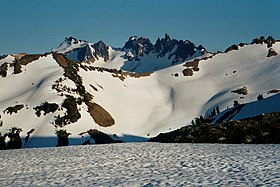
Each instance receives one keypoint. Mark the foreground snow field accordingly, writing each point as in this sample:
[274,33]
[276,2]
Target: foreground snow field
[142,164]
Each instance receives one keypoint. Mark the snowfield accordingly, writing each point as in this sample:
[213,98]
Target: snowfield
[142,164]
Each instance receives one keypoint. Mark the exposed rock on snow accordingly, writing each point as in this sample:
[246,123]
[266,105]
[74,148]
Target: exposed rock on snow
[83,51]
[242,91]
[177,50]
[269,41]
[271,52]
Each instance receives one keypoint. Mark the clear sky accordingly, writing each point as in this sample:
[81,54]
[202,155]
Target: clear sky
[36,26]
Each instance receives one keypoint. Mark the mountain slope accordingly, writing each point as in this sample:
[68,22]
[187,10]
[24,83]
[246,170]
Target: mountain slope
[246,110]
[81,86]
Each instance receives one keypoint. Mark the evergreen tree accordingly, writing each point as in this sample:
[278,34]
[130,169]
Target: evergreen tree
[2,142]
[217,110]
[15,141]
[193,122]
[260,97]
[235,103]
[62,136]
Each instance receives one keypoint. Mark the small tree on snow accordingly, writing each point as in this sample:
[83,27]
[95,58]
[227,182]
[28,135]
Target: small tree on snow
[217,110]
[15,141]
[235,103]
[260,97]
[2,142]
[62,136]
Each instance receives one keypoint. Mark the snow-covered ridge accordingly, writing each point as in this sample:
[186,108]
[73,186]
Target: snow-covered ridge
[141,104]
[69,44]
[137,55]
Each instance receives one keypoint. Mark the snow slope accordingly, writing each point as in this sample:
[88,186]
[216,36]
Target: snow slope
[267,105]
[30,88]
[69,44]
[162,102]
[145,164]
[141,104]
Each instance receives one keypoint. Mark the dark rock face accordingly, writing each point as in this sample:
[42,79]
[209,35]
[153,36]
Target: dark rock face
[46,107]
[179,49]
[260,129]
[14,109]
[269,41]
[187,72]
[242,91]
[271,52]
[3,69]
[180,53]
[72,113]
[138,46]
[24,60]
[71,40]
[89,53]
[233,47]
[100,137]
[101,50]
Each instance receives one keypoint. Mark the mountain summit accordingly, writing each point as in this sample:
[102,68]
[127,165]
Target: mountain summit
[82,89]
[139,52]
[177,50]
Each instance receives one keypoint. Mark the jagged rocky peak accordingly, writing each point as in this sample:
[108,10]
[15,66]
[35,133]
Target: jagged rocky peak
[269,41]
[71,40]
[69,43]
[180,50]
[83,51]
[101,50]
[138,46]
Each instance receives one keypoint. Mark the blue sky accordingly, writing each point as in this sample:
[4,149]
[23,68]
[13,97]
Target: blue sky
[36,26]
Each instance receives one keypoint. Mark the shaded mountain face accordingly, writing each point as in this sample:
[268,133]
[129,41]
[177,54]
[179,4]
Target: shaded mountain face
[83,51]
[175,50]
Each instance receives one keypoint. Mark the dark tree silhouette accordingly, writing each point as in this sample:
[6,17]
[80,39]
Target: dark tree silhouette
[62,136]
[2,142]
[217,110]
[260,97]
[15,141]
[235,103]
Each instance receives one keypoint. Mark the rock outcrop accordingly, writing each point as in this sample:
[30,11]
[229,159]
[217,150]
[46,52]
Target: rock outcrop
[83,51]
[271,52]
[256,130]
[269,41]
[178,50]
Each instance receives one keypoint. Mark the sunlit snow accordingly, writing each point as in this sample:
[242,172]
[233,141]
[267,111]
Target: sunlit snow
[142,164]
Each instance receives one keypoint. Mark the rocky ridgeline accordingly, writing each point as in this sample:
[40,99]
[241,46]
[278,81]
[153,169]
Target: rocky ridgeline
[269,41]
[85,52]
[179,49]
[256,130]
